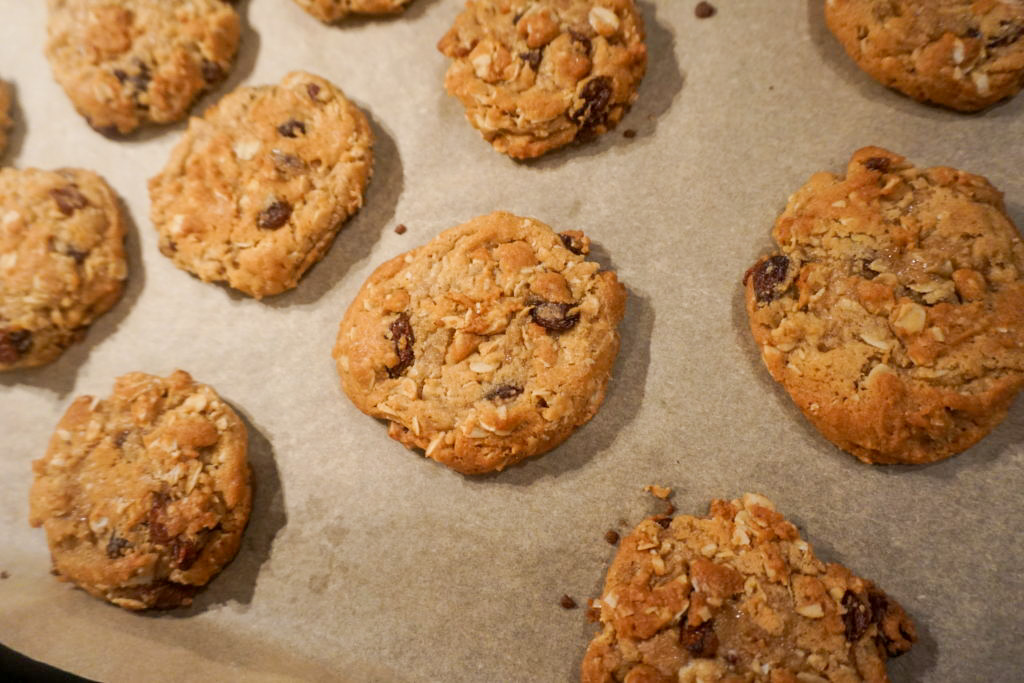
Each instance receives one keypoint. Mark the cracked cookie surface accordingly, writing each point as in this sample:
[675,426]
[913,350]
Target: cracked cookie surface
[130,62]
[333,10]
[62,260]
[893,312]
[738,596]
[489,344]
[538,75]
[962,54]
[144,495]
[257,188]
[5,114]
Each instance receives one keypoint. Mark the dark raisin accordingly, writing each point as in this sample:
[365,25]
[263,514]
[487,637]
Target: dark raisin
[79,256]
[116,546]
[541,403]
[291,128]
[664,522]
[973,32]
[289,164]
[567,603]
[880,164]
[1010,33]
[400,229]
[503,391]
[612,536]
[857,617]
[184,553]
[157,531]
[275,215]
[313,89]
[701,641]
[703,10]
[14,344]
[120,75]
[69,199]
[596,96]
[865,269]
[532,57]
[629,133]
[554,316]
[141,79]
[121,436]
[403,339]
[575,241]
[581,39]
[212,71]
[768,275]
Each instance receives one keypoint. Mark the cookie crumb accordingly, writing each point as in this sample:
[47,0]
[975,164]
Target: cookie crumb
[567,603]
[400,229]
[658,491]
[612,536]
[629,133]
[4,575]
[703,10]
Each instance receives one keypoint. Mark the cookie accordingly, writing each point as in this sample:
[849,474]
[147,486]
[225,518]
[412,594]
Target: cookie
[62,260]
[144,495]
[893,310]
[5,114]
[333,10]
[738,596]
[487,345]
[256,190]
[537,75]
[961,54]
[131,62]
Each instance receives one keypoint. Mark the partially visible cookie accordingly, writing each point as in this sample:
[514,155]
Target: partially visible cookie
[893,310]
[489,344]
[538,75]
[130,62]
[62,260]
[257,188]
[738,596]
[333,10]
[5,114]
[962,54]
[144,495]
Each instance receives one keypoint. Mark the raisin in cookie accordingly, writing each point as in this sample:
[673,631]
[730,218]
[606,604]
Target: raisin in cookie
[738,596]
[5,114]
[893,312]
[962,54]
[489,344]
[256,190]
[129,62]
[537,75]
[333,10]
[144,495]
[61,260]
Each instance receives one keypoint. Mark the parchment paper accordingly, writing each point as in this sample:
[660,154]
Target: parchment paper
[366,562]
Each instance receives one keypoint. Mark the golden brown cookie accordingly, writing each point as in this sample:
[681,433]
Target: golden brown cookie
[257,188]
[127,62]
[5,114]
[62,260]
[489,344]
[893,311]
[963,54]
[144,495]
[537,75]
[333,10]
[738,596]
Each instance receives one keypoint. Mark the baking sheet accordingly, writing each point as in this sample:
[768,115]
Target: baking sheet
[366,562]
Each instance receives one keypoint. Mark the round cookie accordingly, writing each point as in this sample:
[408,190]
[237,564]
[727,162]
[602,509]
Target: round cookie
[129,62]
[5,114]
[489,344]
[893,311]
[962,54]
[144,495]
[61,260]
[333,10]
[738,596]
[256,190]
[538,75]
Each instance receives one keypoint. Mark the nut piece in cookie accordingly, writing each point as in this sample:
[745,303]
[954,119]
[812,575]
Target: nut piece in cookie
[257,188]
[738,595]
[489,344]
[62,260]
[144,495]
[961,54]
[332,10]
[538,75]
[893,310]
[5,114]
[131,62]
